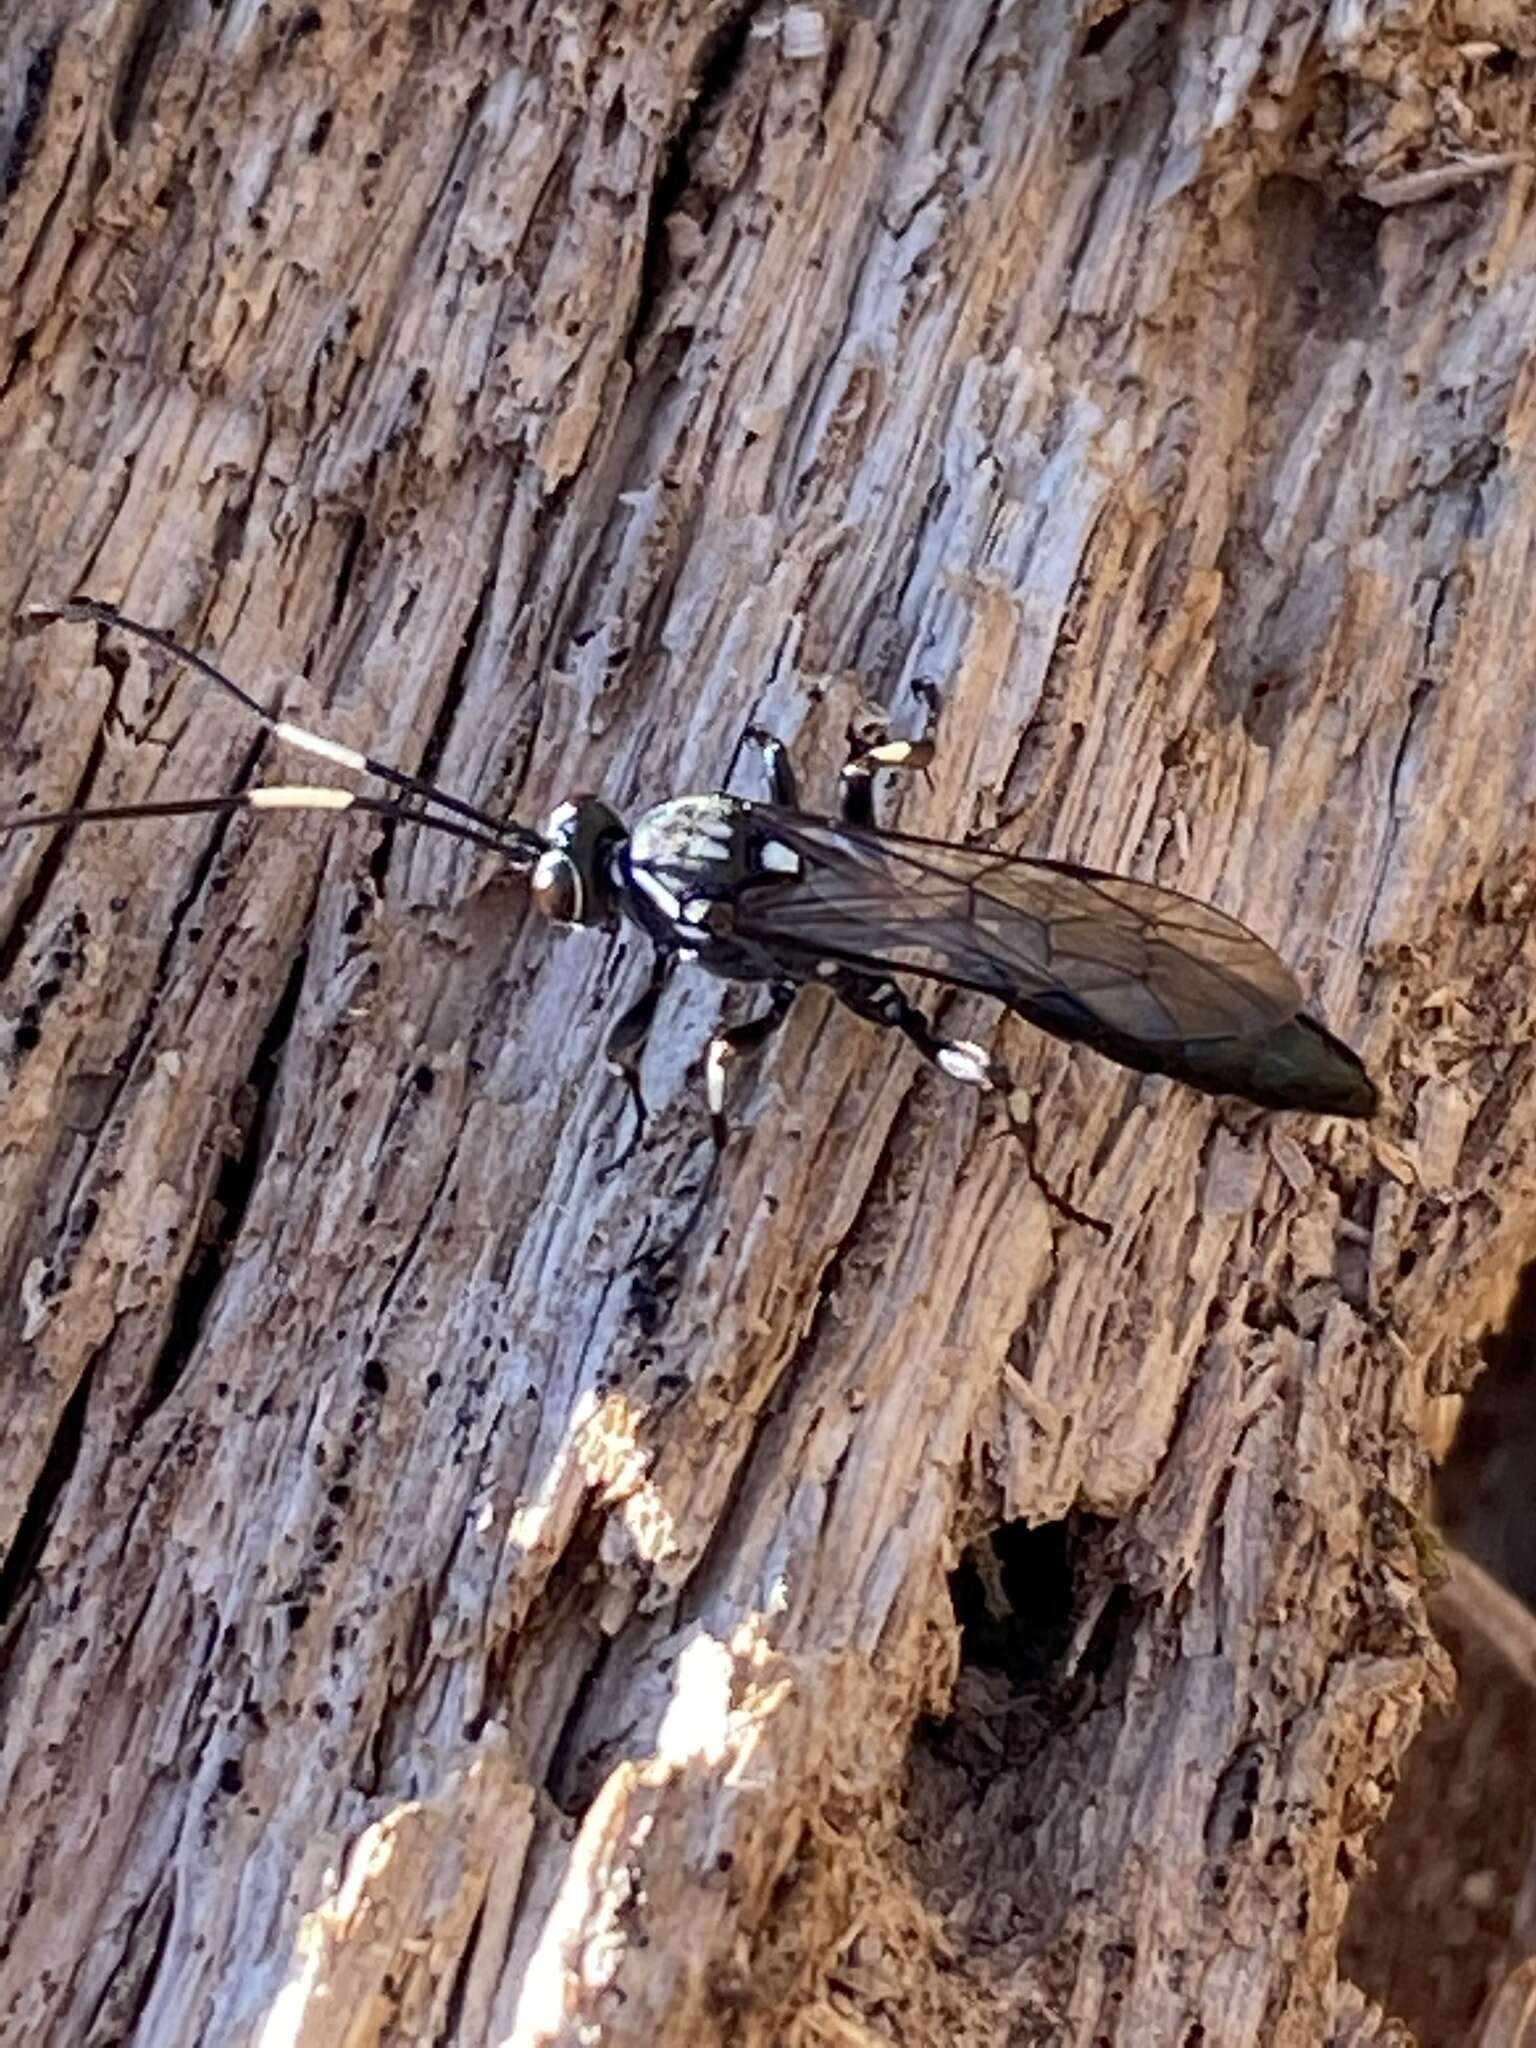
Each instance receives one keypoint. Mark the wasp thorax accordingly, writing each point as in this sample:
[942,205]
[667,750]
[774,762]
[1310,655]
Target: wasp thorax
[572,879]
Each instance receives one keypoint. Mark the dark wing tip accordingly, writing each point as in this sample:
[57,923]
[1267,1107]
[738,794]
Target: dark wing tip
[1298,1065]
[1335,1073]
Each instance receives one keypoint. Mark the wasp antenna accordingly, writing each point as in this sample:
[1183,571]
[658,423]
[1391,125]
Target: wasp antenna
[265,796]
[513,842]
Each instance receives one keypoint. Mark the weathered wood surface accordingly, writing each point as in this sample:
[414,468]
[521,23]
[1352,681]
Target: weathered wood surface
[403,1641]
[1444,1928]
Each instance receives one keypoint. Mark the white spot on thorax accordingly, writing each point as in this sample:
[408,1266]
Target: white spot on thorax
[708,835]
[668,904]
[779,858]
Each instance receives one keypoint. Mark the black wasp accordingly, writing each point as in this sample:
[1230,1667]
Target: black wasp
[773,894]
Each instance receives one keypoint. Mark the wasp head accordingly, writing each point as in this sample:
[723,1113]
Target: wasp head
[573,880]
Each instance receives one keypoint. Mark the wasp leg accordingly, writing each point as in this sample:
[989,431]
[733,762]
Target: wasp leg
[781,770]
[626,1048]
[882,1002]
[730,1044]
[726,1045]
[856,785]
[879,1001]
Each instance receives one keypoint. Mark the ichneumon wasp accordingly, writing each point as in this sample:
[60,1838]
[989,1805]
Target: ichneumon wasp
[770,893]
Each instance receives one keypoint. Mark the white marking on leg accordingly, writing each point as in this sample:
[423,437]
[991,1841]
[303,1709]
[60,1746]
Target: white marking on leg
[299,797]
[316,743]
[900,754]
[716,1060]
[963,1060]
[668,904]
[697,909]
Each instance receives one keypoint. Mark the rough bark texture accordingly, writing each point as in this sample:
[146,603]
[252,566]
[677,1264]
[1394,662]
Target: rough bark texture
[412,1631]
[1445,1926]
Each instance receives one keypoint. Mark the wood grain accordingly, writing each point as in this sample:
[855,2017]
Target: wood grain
[414,1633]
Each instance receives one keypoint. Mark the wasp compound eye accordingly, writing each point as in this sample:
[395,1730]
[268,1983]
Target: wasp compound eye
[556,888]
[582,837]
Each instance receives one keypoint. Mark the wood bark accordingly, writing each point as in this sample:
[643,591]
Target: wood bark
[1444,1929]
[415,1631]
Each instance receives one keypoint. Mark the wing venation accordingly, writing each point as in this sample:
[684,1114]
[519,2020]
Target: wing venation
[1145,961]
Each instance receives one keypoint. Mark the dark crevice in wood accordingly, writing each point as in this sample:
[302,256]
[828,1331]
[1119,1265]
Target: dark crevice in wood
[1013,1597]
[21,355]
[225,1212]
[1099,34]
[453,2013]
[558,1636]
[126,1992]
[720,60]
[1028,1727]
[453,694]
[233,522]
[357,534]
[1483,1492]
[37,1517]
[571,1780]
[13,940]
[127,1059]
[1233,1804]
[157,23]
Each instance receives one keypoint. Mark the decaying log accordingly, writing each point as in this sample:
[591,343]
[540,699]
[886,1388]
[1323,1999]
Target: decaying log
[1444,1929]
[414,1628]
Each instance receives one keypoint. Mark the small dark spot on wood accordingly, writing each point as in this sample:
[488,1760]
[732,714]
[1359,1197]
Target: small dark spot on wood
[375,1378]
[230,1778]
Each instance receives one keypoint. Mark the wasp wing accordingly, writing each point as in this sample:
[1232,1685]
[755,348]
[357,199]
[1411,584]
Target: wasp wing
[1145,963]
